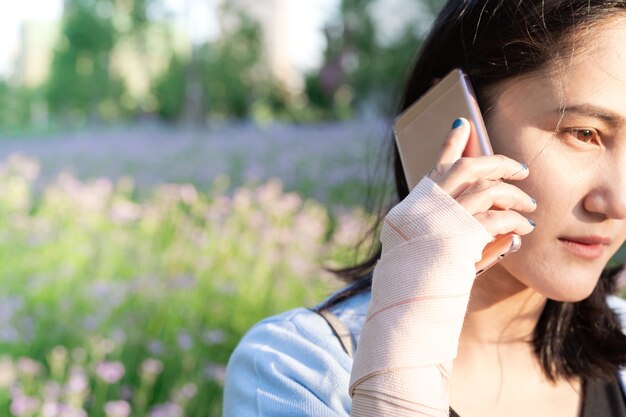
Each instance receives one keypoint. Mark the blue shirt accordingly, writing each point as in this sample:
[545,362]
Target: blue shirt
[293,365]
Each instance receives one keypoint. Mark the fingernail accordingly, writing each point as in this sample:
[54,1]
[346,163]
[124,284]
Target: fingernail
[524,167]
[457,123]
[532,223]
[534,201]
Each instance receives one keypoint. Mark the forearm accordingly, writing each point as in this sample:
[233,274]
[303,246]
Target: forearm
[420,292]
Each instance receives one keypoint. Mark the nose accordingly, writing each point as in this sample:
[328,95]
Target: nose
[608,196]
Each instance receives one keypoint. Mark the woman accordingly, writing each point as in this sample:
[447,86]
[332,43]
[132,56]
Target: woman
[537,334]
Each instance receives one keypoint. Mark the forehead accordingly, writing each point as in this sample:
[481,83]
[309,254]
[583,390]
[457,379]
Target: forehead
[593,71]
[600,64]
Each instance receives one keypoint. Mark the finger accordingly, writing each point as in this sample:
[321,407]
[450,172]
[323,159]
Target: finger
[466,171]
[485,195]
[491,167]
[498,222]
[452,148]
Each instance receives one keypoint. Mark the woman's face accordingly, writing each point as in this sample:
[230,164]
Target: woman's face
[577,160]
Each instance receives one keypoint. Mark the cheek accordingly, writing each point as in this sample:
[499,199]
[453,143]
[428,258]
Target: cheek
[541,263]
[556,201]
[551,278]
[556,180]
[558,197]
[559,186]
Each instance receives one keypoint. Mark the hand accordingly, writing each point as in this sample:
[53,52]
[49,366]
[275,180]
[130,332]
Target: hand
[478,184]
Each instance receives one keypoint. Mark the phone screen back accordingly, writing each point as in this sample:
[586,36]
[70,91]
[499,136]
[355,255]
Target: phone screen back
[422,129]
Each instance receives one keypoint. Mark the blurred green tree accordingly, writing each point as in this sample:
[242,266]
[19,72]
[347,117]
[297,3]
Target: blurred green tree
[231,72]
[81,85]
[220,79]
[225,78]
[142,28]
[358,69]
[169,90]
[16,110]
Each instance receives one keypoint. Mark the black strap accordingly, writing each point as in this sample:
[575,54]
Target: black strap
[600,399]
[339,330]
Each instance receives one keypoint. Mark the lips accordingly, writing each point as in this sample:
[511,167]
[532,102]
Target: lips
[586,247]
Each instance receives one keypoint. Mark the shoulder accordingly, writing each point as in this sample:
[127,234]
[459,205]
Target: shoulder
[293,365]
[352,312]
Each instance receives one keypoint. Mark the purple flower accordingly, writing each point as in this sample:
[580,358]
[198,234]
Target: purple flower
[188,193]
[185,393]
[23,406]
[110,372]
[79,355]
[77,383]
[350,229]
[9,305]
[28,366]
[106,346]
[118,336]
[52,391]
[224,287]
[156,347]
[58,360]
[215,372]
[69,411]
[184,281]
[166,410]
[91,322]
[125,211]
[8,372]
[185,341]
[117,409]
[214,337]
[52,409]
[189,390]
[126,392]
[151,368]
[22,165]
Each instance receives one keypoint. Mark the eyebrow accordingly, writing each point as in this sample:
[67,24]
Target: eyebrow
[590,110]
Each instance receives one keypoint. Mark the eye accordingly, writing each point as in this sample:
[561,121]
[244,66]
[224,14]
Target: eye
[586,135]
[589,136]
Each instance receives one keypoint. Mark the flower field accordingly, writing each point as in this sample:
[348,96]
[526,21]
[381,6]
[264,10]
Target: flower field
[131,269]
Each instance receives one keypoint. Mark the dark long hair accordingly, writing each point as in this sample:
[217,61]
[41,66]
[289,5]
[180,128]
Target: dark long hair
[492,41]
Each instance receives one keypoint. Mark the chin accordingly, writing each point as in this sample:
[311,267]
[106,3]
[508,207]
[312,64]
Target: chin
[568,287]
[569,284]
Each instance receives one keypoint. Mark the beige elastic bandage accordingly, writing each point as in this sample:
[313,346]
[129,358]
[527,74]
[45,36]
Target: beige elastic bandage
[420,292]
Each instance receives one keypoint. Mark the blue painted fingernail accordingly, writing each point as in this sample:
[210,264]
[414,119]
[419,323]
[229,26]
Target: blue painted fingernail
[524,167]
[532,223]
[457,123]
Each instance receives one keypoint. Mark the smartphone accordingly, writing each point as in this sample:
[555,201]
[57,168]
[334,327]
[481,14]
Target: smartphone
[421,130]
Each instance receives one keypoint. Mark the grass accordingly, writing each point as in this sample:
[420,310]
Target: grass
[99,285]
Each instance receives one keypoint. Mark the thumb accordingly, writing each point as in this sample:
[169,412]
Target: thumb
[453,147]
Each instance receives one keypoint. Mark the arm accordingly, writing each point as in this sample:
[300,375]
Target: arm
[411,334]
[431,242]
[291,365]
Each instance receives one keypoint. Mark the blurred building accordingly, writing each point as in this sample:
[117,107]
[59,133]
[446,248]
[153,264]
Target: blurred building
[36,46]
[136,64]
[275,18]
